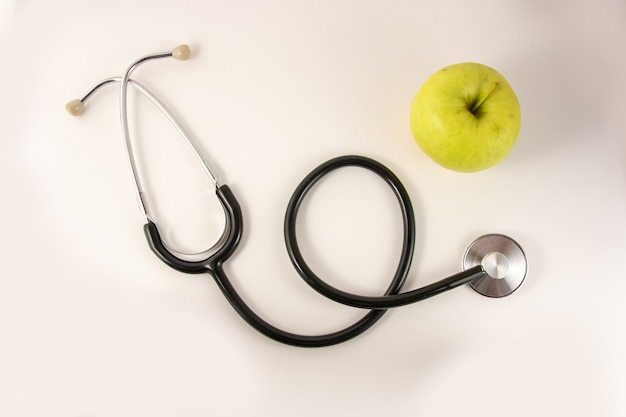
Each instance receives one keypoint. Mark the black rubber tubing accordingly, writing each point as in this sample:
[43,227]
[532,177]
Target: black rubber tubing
[372,316]
[391,298]
[377,305]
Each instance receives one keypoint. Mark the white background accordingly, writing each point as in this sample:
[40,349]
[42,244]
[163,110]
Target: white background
[92,324]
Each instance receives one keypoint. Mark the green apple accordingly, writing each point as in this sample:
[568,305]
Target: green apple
[466,117]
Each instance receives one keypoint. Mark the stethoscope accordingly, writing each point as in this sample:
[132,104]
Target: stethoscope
[494,265]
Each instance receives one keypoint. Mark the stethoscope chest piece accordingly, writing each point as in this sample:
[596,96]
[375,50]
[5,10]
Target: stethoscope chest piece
[503,260]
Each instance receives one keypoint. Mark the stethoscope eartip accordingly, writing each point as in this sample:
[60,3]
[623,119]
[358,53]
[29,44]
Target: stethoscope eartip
[181,52]
[75,107]
[504,263]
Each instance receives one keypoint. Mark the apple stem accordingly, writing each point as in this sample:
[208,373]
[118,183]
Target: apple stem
[475,106]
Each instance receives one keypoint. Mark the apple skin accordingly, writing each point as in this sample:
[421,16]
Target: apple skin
[466,117]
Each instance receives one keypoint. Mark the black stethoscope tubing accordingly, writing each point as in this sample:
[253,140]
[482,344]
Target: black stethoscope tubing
[386,301]
[214,265]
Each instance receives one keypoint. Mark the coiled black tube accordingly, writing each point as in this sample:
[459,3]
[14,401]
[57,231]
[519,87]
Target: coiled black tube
[392,297]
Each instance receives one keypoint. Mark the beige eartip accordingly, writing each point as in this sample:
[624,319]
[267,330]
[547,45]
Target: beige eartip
[75,107]
[181,52]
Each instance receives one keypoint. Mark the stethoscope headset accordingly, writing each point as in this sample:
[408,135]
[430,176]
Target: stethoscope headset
[494,265]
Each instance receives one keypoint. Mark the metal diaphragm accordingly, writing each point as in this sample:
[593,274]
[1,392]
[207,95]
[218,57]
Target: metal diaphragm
[503,260]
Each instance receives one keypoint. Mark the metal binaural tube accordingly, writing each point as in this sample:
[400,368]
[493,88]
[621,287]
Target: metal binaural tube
[76,107]
[143,206]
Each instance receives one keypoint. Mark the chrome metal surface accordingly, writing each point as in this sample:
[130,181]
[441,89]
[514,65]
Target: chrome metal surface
[125,80]
[206,166]
[125,129]
[504,262]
